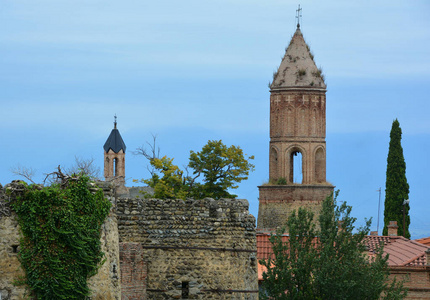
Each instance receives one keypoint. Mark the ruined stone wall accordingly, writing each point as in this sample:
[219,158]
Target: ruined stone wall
[10,267]
[276,202]
[105,284]
[193,249]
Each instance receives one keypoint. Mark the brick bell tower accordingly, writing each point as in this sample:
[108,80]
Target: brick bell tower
[297,154]
[114,157]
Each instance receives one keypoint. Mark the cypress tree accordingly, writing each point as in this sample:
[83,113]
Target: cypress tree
[396,185]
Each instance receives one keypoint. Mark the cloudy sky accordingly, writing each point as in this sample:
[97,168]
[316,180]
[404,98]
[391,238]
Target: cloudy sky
[193,71]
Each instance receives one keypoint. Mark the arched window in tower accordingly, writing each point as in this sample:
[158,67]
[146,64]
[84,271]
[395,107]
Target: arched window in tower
[274,164]
[296,167]
[115,167]
[319,166]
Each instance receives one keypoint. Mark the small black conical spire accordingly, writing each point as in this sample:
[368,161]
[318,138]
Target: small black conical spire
[114,141]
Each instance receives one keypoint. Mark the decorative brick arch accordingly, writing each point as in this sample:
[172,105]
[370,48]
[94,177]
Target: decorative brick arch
[274,163]
[319,164]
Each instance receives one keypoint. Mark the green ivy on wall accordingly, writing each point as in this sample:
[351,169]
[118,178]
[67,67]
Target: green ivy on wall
[60,247]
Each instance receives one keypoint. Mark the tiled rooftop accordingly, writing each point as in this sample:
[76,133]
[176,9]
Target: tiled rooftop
[402,252]
[264,246]
[373,241]
[425,241]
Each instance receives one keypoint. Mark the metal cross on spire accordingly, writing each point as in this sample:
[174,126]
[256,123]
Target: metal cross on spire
[114,123]
[298,16]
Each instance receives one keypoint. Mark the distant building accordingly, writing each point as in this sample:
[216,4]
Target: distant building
[114,157]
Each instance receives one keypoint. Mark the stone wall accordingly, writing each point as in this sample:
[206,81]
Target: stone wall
[10,267]
[276,202]
[105,284]
[193,249]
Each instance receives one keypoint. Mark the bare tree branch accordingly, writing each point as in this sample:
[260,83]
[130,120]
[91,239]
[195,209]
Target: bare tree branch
[27,173]
[188,177]
[59,177]
[153,152]
[85,166]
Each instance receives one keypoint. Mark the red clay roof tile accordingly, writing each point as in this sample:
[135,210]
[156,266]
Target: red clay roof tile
[425,241]
[402,252]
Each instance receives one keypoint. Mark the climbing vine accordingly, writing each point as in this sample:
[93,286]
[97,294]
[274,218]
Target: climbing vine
[60,246]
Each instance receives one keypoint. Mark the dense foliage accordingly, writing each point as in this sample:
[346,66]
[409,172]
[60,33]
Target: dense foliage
[396,185]
[167,180]
[326,262]
[220,166]
[60,248]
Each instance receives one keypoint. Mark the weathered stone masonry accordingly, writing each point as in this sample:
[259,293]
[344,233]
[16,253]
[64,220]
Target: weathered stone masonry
[193,249]
[276,203]
[159,249]
[10,268]
[105,284]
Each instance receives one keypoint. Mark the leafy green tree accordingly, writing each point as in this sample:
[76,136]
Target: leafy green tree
[292,267]
[169,182]
[328,262]
[220,166]
[396,185]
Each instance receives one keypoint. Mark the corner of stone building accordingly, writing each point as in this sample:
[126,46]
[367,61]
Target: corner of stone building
[10,267]
[106,284]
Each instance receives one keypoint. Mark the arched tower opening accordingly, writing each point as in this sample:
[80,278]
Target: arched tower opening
[296,167]
[115,166]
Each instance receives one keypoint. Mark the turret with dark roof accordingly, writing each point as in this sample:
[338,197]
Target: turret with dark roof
[114,141]
[114,157]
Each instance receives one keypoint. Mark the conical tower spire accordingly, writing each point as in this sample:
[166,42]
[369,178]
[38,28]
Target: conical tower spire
[298,68]
[114,141]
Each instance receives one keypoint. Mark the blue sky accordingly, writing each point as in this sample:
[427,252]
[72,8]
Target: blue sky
[191,71]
